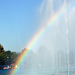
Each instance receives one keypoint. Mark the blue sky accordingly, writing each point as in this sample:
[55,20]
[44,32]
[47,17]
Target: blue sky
[17,22]
[21,19]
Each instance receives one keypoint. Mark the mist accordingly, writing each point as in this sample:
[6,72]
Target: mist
[55,49]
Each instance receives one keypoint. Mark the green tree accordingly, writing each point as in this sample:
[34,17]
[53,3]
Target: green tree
[1,49]
[2,62]
[7,57]
[10,57]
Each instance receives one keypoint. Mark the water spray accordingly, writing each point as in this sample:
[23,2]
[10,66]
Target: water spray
[67,37]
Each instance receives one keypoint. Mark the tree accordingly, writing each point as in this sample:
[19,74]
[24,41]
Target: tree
[1,49]
[10,57]
[7,57]
[2,62]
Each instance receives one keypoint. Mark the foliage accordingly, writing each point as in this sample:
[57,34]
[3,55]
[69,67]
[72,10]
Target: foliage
[7,57]
[1,48]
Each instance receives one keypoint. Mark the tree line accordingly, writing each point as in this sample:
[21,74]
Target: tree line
[7,57]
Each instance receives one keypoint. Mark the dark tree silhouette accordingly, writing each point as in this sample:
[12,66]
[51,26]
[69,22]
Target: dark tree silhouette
[1,49]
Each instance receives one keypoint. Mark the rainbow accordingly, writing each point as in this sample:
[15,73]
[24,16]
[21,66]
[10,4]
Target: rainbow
[39,34]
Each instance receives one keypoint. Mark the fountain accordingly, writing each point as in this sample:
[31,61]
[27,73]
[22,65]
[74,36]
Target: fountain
[51,54]
[67,37]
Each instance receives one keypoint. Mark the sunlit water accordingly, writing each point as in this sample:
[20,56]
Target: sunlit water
[39,71]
